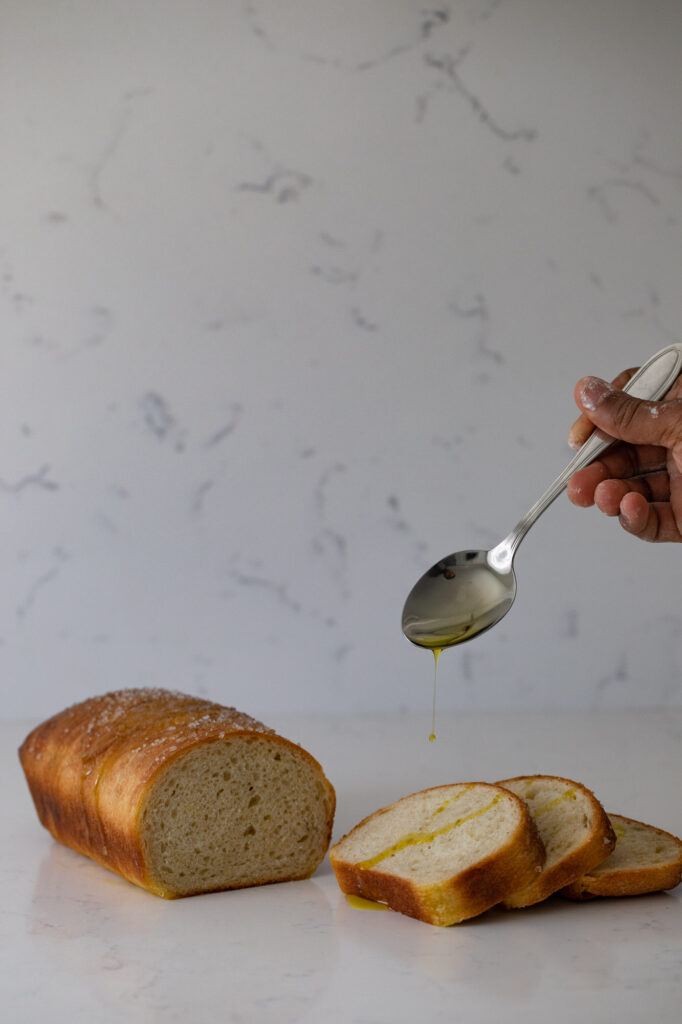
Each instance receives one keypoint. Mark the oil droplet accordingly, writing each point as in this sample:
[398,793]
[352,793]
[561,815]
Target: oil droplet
[436,655]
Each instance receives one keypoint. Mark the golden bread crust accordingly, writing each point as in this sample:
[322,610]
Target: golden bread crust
[90,768]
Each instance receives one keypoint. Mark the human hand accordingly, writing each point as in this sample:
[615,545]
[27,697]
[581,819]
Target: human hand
[639,479]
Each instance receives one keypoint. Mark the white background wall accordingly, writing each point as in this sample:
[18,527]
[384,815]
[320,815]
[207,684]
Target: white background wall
[293,297]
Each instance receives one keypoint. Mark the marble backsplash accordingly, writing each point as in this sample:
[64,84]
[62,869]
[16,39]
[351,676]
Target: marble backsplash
[293,296]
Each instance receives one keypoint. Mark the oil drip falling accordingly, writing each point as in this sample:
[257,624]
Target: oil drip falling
[437,651]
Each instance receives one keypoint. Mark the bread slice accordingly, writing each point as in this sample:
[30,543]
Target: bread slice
[177,794]
[574,829]
[441,855]
[646,859]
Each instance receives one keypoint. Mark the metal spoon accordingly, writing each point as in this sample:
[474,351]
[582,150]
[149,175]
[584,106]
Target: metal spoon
[470,591]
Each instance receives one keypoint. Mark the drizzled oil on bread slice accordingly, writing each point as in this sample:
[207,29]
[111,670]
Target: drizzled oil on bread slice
[441,855]
[574,829]
[645,859]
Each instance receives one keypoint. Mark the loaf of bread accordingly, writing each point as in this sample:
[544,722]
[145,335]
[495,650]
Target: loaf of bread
[645,859]
[574,829]
[441,855]
[177,794]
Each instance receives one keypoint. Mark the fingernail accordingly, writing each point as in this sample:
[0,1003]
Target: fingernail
[593,391]
[573,443]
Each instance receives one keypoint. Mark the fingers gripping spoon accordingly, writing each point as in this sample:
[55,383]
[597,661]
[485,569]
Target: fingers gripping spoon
[470,591]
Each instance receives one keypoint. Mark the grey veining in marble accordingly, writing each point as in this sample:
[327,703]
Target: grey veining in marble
[293,296]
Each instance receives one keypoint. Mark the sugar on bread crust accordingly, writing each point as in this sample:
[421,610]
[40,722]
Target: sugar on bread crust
[645,859]
[441,855]
[574,829]
[177,794]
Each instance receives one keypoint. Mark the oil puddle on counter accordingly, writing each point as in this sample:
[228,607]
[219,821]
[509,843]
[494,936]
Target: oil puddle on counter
[360,903]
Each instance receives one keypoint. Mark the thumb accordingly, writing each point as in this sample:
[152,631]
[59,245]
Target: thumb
[630,419]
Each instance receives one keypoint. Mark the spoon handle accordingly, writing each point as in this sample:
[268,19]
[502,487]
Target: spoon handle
[651,382]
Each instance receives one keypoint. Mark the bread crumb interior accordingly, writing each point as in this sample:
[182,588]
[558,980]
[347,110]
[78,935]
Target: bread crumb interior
[423,835]
[638,844]
[233,813]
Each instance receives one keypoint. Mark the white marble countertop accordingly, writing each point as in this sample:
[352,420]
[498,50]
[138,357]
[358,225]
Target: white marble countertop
[80,944]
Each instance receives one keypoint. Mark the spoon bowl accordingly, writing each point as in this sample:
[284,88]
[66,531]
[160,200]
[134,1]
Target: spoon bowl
[468,592]
[458,598]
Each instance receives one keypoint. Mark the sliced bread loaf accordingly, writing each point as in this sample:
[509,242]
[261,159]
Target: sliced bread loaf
[574,829]
[441,855]
[177,794]
[645,859]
